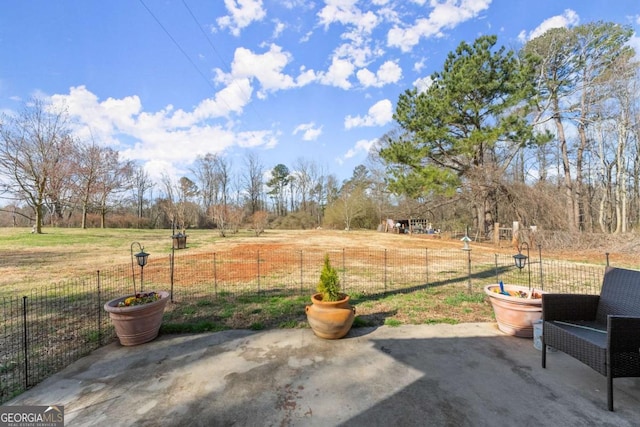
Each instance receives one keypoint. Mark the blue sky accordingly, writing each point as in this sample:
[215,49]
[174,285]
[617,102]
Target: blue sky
[286,80]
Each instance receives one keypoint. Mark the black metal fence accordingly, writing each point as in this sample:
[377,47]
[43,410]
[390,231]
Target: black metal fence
[47,329]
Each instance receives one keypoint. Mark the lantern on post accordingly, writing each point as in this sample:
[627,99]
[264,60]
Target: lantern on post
[141,258]
[465,241]
[520,260]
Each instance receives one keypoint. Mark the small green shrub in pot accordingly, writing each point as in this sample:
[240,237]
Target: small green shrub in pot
[330,315]
[329,284]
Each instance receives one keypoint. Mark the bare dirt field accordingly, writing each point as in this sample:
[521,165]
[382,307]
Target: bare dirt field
[622,250]
[60,254]
[27,260]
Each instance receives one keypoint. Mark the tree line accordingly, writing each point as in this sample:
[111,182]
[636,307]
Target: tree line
[50,177]
[547,135]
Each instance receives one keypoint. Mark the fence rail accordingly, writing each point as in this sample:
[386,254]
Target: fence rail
[50,327]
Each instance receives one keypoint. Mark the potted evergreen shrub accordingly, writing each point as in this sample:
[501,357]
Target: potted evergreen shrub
[330,315]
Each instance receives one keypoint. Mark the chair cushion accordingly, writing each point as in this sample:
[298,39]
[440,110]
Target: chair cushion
[585,343]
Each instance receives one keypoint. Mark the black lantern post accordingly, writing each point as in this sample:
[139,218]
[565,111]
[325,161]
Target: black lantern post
[521,260]
[465,242]
[540,262]
[141,257]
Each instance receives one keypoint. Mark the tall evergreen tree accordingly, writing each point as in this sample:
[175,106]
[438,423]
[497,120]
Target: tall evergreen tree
[462,132]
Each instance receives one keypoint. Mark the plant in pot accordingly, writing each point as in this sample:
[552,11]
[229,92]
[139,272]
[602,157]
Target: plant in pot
[137,317]
[516,308]
[330,315]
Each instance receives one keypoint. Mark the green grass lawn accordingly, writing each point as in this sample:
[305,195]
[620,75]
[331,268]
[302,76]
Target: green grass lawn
[64,253]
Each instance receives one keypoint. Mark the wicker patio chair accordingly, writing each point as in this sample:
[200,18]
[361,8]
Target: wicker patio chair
[602,331]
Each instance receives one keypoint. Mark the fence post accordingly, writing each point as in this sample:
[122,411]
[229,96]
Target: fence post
[426,265]
[607,255]
[385,271]
[301,275]
[172,257]
[215,276]
[540,260]
[258,268]
[24,342]
[99,311]
[344,271]
[469,270]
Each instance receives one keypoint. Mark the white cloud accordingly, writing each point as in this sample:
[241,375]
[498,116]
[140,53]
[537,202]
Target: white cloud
[241,14]
[264,138]
[291,4]
[422,84]
[98,121]
[361,146]
[358,55]
[345,12]
[305,77]
[267,68]
[268,72]
[278,29]
[158,139]
[569,18]
[309,131]
[305,38]
[444,15]
[379,114]
[232,98]
[338,74]
[360,47]
[366,77]
[389,72]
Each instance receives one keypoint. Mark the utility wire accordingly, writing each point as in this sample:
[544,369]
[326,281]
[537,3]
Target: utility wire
[193,63]
[227,69]
[181,49]
[204,33]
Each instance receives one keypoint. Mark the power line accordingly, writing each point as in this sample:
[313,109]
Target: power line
[227,69]
[180,48]
[204,33]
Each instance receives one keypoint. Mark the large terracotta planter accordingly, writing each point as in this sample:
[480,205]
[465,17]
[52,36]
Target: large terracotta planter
[515,315]
[139,323]
[330,319]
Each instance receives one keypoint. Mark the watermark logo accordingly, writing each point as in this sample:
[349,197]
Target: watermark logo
[32,416]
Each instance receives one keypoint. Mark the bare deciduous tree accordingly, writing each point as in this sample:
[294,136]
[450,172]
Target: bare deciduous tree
[259,222]
[33,145]
[141,185]
[254,182]
[114,178]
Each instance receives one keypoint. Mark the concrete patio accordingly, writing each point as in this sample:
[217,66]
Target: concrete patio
[440,375]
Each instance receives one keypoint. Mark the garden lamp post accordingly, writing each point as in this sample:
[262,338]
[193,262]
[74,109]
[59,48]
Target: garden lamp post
[141,257]
[465,241]
[521,260]
[540,262]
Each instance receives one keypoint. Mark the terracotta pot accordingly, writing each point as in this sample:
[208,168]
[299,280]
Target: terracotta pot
[515,316]
[330,319]
[137,324]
